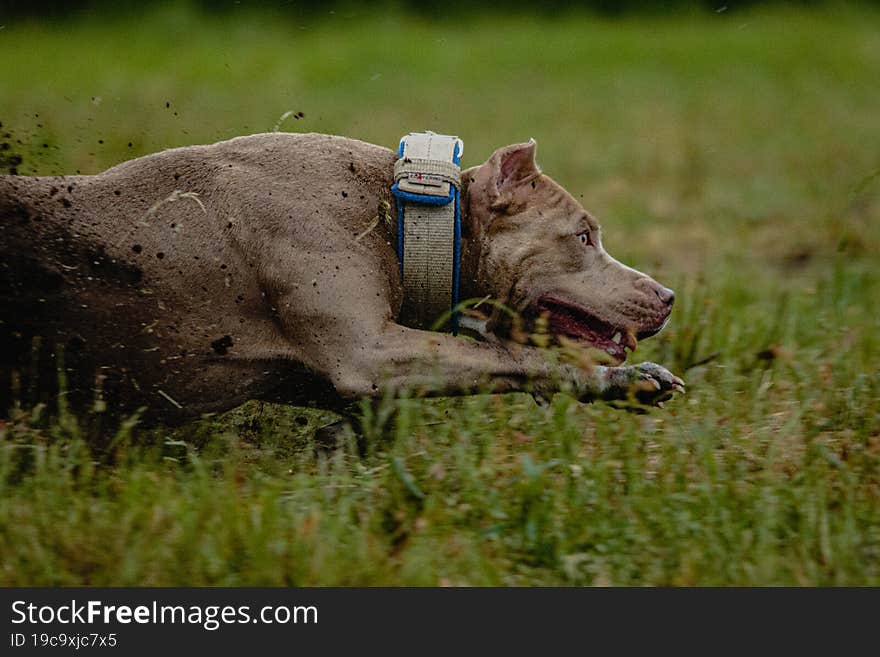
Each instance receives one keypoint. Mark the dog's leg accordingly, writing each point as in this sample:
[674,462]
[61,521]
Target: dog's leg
[425,363]
[398,360]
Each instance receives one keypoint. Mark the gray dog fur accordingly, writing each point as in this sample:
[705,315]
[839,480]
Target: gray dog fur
[197,278]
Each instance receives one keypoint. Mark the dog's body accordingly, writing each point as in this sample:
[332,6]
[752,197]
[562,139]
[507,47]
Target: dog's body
[197,278]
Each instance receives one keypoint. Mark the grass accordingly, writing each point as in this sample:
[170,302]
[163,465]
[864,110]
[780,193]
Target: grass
[733,156]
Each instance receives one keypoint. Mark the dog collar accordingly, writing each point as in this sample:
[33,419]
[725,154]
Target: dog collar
[427,185]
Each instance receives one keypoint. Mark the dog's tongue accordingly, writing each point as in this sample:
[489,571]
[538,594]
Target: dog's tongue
[565,324]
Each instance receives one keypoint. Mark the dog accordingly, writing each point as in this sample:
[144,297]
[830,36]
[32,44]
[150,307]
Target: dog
[263,267]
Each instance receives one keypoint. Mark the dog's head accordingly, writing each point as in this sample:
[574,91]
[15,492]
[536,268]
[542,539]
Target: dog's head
[541,254]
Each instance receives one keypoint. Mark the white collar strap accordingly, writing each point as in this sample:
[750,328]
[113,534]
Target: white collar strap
[427,185]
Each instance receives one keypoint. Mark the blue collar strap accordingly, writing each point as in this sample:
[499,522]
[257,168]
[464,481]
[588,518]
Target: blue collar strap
[427,185]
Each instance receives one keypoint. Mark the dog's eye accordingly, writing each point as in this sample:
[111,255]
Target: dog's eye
[585,238]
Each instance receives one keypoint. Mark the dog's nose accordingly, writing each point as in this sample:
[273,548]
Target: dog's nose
[666,295]
[648,285]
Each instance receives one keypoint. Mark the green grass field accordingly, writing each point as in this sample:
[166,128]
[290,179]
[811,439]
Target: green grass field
[734,156]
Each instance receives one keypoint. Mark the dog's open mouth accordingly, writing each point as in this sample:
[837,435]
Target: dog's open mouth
[572,321]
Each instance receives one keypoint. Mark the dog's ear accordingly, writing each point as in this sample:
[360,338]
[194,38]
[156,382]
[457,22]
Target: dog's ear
[516,163]
[492,186]
[511,166]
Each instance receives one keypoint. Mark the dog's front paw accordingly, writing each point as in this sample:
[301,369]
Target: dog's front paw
[647,383]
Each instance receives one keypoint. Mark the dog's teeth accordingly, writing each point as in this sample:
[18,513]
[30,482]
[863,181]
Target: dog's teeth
[616,338]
